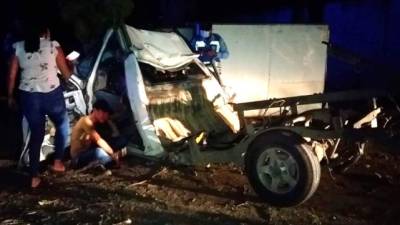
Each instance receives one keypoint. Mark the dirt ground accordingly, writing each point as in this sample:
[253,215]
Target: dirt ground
[147,193]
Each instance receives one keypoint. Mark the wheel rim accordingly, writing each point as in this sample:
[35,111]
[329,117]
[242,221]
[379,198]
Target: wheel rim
[277,170]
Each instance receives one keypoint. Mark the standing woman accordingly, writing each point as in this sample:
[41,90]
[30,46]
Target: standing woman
[40,92]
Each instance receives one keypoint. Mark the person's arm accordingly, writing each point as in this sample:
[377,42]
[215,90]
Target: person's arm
[62,64]
[12,76]
[193,44]
[223,49]
[96,138]
[104,145]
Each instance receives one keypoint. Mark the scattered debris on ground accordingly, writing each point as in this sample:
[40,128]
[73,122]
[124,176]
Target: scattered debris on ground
[142,193]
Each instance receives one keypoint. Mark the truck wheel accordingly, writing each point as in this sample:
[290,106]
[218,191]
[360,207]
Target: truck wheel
[282,168]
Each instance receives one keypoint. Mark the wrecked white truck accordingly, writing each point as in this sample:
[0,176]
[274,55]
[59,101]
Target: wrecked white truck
[173,108]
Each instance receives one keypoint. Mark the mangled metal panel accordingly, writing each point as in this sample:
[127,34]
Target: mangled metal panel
[179,103]
[184,107]
[138,102]
[160,49]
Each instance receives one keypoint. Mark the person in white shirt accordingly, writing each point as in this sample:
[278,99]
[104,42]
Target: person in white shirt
[39,59]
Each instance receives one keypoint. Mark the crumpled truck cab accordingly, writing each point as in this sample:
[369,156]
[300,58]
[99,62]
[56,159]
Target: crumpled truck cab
[179,95]
[161,92]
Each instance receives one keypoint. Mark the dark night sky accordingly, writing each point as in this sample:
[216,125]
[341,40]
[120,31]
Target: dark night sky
[146,14]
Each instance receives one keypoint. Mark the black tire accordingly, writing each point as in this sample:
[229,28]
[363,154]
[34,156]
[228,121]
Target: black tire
[292,145]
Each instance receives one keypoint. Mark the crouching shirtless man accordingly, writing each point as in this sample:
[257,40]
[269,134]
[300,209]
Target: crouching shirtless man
[88,146]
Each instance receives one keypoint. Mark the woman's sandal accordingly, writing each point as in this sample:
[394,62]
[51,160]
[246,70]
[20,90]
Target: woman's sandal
[60,169]
[54,170]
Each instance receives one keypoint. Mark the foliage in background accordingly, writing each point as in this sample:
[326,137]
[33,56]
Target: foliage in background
[90,18]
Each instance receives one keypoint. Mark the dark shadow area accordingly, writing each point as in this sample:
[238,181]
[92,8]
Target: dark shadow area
[196,218]
[146,171]
[83,200]
[200,186]
[238,197]
[368,180]
[13,180]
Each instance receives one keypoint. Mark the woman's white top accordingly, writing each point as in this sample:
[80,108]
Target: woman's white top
[38,69]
